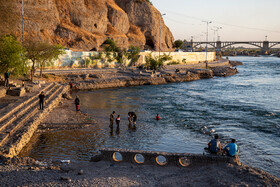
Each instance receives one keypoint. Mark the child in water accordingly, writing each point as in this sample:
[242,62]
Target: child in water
[157,117]
[118,121]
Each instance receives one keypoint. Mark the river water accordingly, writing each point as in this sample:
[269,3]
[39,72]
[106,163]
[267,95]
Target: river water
[245,107]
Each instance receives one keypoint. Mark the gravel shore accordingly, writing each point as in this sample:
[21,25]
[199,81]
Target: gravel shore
[126,174]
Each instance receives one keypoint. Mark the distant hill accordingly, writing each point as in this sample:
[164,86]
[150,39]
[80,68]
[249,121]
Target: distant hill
[86,24]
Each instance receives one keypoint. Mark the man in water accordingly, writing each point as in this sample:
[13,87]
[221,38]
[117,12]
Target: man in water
[129,120]
[41,100]
[214,145]
[231,149]
[77,103]
[112,119]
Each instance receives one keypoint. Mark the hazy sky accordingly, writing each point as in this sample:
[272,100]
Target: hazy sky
[241,20]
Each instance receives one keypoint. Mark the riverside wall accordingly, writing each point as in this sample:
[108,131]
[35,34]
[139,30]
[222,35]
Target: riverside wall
[181,57]
[74,58]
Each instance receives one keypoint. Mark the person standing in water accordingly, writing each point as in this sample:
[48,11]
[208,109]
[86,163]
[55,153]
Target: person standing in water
[157,117]
[129,120]
[118,121]
[112,116]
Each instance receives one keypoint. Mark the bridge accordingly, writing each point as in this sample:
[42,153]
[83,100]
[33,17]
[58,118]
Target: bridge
[265,46]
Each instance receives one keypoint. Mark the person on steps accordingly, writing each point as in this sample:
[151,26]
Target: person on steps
[42,100]
[6,75]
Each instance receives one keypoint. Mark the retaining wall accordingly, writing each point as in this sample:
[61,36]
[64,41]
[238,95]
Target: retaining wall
[74,57]
[161,158]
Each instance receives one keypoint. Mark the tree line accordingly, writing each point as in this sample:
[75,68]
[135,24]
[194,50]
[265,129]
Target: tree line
[18,59]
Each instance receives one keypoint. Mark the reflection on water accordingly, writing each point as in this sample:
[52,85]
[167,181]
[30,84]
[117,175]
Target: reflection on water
[245,107]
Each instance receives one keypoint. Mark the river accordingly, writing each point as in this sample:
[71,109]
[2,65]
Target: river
[245,107]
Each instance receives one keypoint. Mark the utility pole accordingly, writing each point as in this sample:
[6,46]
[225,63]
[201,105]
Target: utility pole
[160,35]
[207,24]
[22,18]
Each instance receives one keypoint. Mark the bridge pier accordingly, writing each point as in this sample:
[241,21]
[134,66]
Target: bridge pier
[265,48]
[218,46]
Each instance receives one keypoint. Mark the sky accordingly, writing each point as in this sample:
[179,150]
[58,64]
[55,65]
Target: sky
[241,20]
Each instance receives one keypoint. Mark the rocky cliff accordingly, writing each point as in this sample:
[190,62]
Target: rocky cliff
[86,24]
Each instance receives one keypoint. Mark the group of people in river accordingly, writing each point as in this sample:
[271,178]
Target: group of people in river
[132,118]
[214,147]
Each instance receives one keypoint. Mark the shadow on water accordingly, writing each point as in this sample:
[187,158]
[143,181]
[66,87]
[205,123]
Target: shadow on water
[244,107]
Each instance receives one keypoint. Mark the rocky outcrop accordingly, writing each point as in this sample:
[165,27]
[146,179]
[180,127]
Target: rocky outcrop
[16,91]
[235,63]
[224,71]
[85,25]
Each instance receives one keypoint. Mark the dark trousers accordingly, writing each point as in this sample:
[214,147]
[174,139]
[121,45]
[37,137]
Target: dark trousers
[41,103]
[6,84]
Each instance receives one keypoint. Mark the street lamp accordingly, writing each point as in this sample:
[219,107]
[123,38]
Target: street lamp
[207,23]
[217,29]
[160,34]
[22,19]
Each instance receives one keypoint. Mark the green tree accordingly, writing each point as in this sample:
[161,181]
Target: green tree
[109,45]
[11,56]
[155,63]
[41,54]
[133,54]
[120,54]
[178,44]
[48,55]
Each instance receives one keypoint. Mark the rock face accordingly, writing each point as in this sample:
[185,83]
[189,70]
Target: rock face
[86,24]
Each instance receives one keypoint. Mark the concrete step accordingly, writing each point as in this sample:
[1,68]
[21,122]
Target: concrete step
[21,110]
[13,107]
[9,130]
[21,136]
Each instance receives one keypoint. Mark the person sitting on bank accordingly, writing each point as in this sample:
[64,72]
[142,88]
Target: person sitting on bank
[157,117]
[214,145]
[231,149]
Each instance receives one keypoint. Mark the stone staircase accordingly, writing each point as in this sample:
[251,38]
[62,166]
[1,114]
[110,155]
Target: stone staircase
[19,121]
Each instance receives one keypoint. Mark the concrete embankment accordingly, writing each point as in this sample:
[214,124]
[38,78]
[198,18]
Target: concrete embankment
[19,121]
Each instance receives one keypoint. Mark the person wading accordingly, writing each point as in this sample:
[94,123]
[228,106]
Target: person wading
[42,100]
[111,126]
[118,121]
[157,117]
